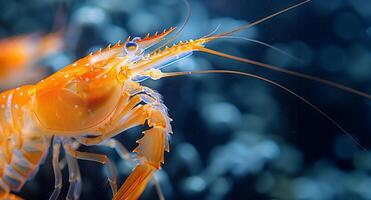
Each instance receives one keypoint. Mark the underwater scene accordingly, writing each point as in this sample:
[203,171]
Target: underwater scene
[294,125]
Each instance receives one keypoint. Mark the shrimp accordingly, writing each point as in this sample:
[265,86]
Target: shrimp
[90,94]
[94,99]
[19,53]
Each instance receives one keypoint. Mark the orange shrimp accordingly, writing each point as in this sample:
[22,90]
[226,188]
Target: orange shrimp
[96,98]
[84,97]
[20,53]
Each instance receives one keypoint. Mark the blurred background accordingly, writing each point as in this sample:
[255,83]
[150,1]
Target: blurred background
[234,137]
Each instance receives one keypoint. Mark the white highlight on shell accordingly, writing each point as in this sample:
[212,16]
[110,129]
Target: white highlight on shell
[103,56]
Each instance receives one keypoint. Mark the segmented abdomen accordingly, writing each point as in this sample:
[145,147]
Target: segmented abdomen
[22,144]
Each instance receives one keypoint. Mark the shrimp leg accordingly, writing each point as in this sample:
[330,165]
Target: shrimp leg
[150,152]
[133,118]
[125,154]
[128,113]
[103,159]
[118,147]
[151,146]
[57,170]
[156,182]
[74,189]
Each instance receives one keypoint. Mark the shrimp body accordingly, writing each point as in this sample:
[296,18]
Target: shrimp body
[94,99]
[92,95]
[87,92]
[23,146]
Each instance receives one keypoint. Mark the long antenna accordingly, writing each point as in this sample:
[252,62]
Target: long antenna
[260,20]
[173,74]
[263,44]
[189,9]
[286,71]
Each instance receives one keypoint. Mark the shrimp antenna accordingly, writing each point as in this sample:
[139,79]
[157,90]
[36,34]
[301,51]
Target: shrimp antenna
[173,74]
[264,44]
[275,68]
[189,10]
[259,21]
[289,72]
[212,32]
[60,17]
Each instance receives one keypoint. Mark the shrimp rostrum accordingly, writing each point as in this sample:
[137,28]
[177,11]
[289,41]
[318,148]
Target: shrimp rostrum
[94,99]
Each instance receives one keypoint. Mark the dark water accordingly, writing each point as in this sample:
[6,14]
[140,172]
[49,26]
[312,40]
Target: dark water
[234,137]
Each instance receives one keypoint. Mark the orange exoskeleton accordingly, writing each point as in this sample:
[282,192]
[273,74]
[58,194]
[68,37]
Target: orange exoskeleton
[89,97]
[97,97]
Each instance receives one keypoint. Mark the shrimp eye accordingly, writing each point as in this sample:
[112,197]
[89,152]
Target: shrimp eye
[131,47]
